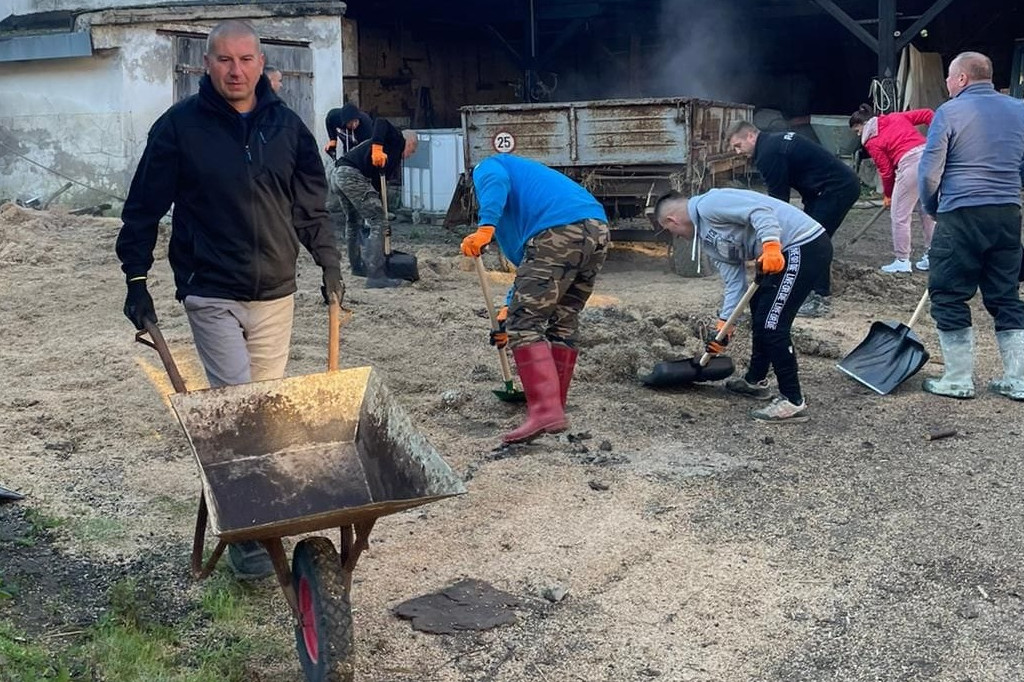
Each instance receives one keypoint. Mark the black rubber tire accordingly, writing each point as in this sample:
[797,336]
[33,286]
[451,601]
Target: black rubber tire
[326,647]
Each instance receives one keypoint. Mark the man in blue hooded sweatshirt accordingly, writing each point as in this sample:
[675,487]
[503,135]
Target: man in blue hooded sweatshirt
[556,234]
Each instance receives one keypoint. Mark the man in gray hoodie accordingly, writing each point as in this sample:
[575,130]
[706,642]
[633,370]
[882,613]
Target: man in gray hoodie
[733,226]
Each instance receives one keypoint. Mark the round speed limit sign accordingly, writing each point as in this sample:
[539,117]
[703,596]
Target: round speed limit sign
[503,142]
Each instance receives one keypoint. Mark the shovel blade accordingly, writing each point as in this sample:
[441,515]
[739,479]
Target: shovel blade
[509,394]
[9,495]
[889,355]
[401,265]
[688,370]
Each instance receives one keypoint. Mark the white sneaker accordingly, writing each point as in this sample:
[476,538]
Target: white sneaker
[781,410]
[922,264]
[900,265]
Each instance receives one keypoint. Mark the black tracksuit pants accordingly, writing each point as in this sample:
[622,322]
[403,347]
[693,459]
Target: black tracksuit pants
[773,309]
[830,208]
[977,247]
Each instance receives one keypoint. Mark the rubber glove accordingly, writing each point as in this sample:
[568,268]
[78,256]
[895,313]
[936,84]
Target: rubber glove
[138,304]
[377,156]
[474,244]
[772,261]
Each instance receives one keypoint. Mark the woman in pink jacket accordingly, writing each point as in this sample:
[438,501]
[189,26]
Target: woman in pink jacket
[896,145]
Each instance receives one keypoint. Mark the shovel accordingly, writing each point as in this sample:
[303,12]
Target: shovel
[508,394]
[865,228]
[9,495]
[889,355]
[709,367]
[397,265]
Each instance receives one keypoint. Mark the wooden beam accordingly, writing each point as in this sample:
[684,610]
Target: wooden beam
[852,26]
[921,23]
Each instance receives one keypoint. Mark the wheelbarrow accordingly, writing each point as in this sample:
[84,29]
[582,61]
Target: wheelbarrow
[300,455]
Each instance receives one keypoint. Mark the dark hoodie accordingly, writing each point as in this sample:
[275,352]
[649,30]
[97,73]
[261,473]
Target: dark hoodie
[338,118]
[360,156]
[247,190]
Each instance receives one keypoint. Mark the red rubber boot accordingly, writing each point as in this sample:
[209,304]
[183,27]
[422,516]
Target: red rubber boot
[565,363]
[539,375]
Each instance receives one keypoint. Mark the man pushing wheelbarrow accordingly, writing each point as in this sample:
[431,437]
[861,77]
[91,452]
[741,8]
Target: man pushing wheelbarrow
[733,226]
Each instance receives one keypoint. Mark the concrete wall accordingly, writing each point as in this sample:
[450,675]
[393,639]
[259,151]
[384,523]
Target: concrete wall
[88,118]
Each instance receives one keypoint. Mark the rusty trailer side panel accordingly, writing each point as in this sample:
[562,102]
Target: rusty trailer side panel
[664,132]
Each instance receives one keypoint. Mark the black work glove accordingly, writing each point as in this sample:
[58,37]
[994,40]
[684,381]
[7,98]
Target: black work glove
[138,304]
[333,285]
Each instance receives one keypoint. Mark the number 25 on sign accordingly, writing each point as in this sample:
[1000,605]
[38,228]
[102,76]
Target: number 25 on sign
[504,142]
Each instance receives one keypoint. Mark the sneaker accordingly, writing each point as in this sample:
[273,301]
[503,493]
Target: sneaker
[781,410]
[757,391]
[249,560]
[898,266]
[923,263]
[816,305]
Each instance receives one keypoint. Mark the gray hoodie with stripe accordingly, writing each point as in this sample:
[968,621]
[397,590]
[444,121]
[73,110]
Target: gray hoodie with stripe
[732,224]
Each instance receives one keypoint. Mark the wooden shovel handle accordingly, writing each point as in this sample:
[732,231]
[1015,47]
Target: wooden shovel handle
[481,273]
[387,223]
[731,322]
[919,309]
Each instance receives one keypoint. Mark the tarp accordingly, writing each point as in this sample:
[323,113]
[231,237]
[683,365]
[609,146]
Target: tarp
[921,80]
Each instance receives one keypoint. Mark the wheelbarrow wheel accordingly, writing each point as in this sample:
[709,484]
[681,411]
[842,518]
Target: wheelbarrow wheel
[323,635]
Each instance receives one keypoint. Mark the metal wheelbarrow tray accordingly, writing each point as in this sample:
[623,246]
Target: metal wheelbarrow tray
[300,455]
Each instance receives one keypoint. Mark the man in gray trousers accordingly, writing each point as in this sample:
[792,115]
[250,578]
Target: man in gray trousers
[245,178]
[970,180]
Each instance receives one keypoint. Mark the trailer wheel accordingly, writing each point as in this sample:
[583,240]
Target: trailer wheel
[323,635]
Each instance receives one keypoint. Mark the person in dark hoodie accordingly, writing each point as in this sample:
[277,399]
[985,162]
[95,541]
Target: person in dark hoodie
[355,181]
[347,127]
[828,187]
[247,184]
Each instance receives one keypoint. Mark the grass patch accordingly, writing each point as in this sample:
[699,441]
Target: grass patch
[97,529]
[22,661]
[38,522]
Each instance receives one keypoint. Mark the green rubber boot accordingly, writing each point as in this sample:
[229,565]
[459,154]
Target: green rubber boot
[1011,348]
[958,354]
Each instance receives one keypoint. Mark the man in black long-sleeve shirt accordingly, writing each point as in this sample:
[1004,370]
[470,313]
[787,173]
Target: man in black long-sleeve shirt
[828,187]
[355,180]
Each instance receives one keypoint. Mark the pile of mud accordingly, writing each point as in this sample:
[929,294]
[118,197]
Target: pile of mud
[35,237]
[863,282]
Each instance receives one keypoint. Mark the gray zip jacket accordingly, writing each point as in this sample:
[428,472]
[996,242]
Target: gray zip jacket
[732,224]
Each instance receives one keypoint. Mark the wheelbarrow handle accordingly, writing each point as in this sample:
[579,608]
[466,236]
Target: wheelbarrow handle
[333,332]
[481,273]
[731,322]
[156,341]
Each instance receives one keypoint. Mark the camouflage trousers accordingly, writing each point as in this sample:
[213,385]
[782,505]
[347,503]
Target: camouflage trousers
[554,282]
[363,215]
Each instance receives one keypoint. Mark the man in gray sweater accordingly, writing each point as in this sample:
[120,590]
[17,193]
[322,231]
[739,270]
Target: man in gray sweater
[733,226]
[970,179]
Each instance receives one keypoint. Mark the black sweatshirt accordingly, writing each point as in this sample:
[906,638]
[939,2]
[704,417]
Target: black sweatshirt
[246,192]
[359,157]
[790,160]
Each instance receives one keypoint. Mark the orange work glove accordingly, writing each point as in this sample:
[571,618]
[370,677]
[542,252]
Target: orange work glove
[886,202]
[772,261]
[377,156]
[474,244]
[714,346]
[332,147]
[499,337]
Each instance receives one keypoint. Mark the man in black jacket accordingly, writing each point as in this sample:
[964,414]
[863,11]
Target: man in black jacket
[828,187]
[355,180]
[247,184]
[347,127]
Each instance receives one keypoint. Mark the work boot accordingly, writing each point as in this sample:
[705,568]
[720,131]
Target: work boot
[565,362]
[958,354]
[544,409]
[1011,348]
[249,560]
[353,243]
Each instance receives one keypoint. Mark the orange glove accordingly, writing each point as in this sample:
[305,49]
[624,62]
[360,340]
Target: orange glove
[771,261]
[474,244]
[499,337]
[886,202]
[715,347]
[332,147]
[377,156]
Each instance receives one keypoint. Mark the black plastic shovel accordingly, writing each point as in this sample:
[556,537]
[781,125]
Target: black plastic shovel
[397,264]
[9,495]
[890,354]
[709,367]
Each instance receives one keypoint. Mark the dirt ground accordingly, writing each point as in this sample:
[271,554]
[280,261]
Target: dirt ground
[694,543]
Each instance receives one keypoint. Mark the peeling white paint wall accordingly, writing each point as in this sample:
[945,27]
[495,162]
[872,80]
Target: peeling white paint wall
[88,118]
